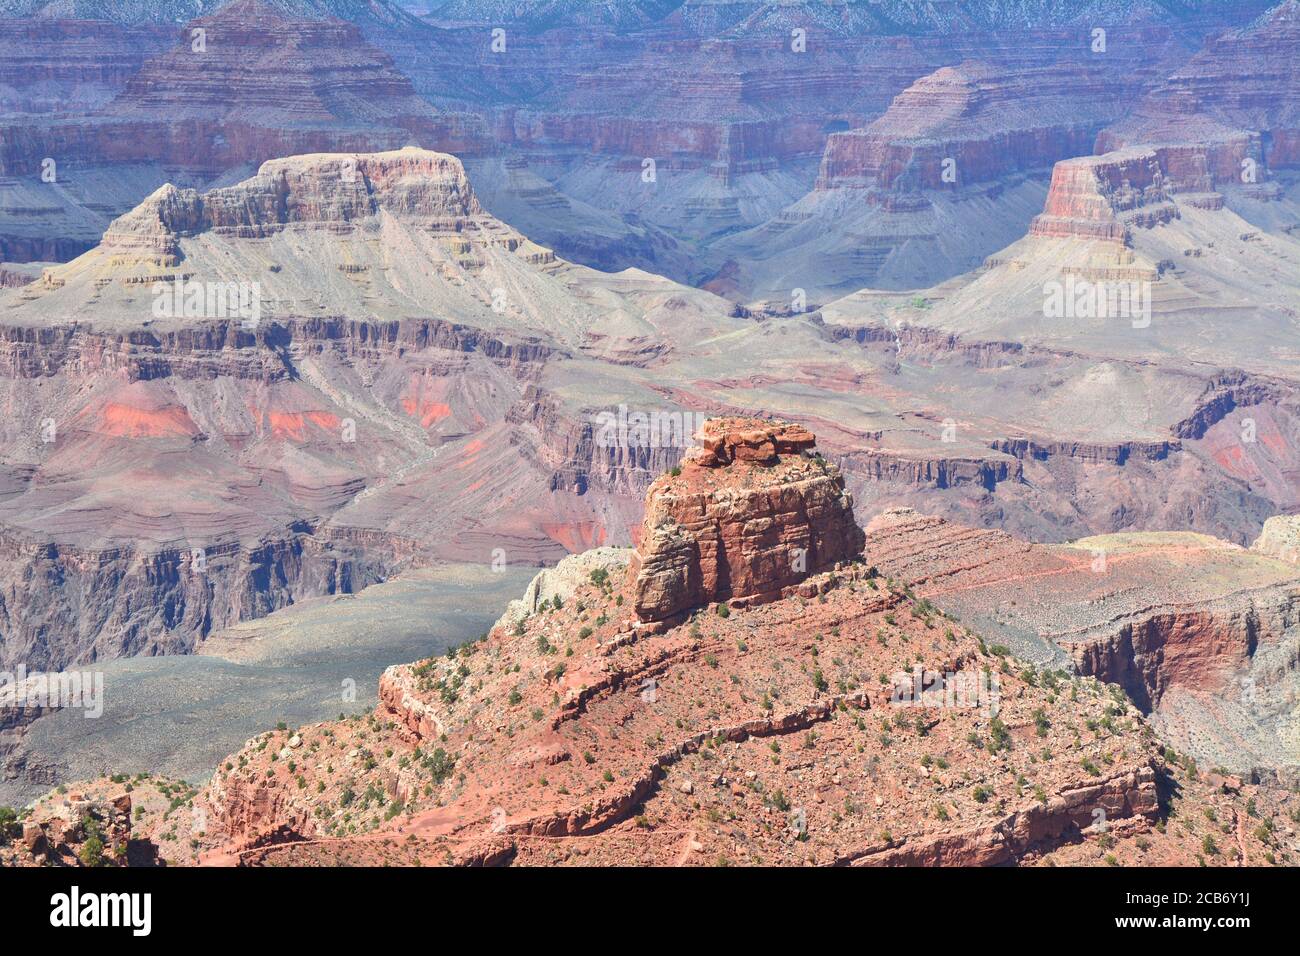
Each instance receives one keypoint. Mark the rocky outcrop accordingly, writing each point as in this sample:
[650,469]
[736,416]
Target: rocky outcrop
[558,584]
[401,699]
[15,277]
[332,404]
[1280,538]
[66,605]
[77,830]
[749,513]
[1100,197]
[894,203]
[253,810]
[1224,394]
[1201,648]
[220,349]
[570,733]
[1200,633]
[1095,453]
[931,471]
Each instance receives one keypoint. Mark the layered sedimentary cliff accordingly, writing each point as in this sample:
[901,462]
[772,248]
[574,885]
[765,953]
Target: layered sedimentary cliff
[734,121]
[328,191]
[977,122]
[244,85]
[1176,620]
[412,348]
[848,721]
[1217,99]
[1100,197]
[213,451]
[51,66]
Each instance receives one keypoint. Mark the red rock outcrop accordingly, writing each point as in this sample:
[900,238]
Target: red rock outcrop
[75,830]
[1129,799]
[1200,649]
[570,735]
[1168,617]
[750,512]
[849,721]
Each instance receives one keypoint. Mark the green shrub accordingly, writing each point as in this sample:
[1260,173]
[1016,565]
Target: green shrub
[92,851]
[9,828]
[440,765]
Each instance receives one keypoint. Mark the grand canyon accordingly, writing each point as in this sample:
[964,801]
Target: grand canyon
[658,433]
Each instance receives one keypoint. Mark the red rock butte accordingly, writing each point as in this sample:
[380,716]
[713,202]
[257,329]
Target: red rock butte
[749,514]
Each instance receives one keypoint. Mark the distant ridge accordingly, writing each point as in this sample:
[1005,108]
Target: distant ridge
[368,13]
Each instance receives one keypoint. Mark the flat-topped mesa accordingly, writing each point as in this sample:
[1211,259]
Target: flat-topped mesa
[1101,197]
[752,512]
[332,191]
[976,122]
